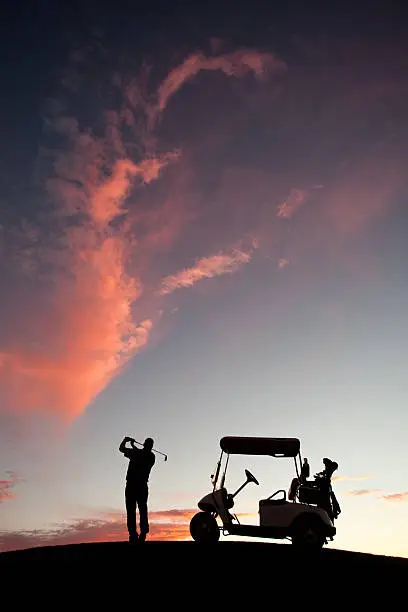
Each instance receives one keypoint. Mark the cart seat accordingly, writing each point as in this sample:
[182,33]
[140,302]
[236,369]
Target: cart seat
[274,502]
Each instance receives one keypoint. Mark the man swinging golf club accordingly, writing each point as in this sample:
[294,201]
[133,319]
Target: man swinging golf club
[141,461]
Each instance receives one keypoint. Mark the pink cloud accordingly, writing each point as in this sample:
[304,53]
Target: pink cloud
[349,478]
[290,205]
[396,497]
[94,267]
[363,191]
[237,64]
[283,262]
[90,332]
[360,492]
[7,486]
[207,267]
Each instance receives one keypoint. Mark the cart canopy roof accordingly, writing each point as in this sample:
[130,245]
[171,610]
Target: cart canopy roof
[276,447]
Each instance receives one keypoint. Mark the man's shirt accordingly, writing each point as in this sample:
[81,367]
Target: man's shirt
[140,464]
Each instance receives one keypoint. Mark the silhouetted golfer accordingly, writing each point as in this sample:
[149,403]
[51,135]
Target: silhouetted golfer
[141,461]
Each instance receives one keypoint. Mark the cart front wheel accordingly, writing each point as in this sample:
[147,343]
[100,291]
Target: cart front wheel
[204,528]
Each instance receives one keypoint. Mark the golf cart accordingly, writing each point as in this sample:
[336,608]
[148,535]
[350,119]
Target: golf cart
[305,516]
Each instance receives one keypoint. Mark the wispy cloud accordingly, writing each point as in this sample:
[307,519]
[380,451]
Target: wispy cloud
[389,497]
[283,262]
[290,205]
[350,478]
[237,64]
[207,267]
[361,492]
[396,497]
[7,485]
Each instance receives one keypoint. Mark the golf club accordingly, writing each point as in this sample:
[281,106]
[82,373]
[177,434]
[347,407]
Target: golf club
[153,449]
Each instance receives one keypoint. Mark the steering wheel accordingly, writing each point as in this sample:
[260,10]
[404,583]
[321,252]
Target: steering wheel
[251,477]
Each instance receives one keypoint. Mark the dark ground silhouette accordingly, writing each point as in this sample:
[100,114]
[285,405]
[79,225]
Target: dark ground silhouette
[248,553]
[186,576]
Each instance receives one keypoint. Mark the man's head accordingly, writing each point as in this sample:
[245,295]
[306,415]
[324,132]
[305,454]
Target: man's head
[148,444]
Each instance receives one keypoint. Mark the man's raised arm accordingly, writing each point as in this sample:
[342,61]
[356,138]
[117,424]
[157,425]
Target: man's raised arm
[122,446]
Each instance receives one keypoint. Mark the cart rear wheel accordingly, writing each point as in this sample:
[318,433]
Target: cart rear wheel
[308,535]
[204,528]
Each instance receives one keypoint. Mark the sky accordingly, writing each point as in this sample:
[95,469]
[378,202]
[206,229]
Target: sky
[203,218]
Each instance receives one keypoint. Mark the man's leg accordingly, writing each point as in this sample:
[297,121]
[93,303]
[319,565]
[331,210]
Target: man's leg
[130,497]
[142,495]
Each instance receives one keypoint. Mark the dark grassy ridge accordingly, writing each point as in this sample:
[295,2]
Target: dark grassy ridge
[183,575]
[250,552]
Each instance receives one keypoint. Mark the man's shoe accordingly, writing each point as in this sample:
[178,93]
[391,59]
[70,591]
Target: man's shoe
[142,537]
[133,539]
